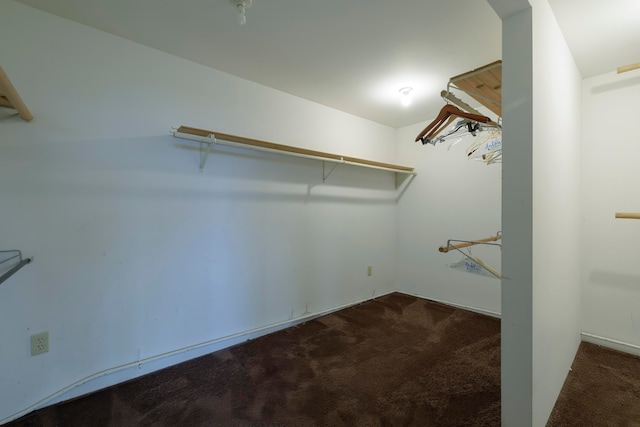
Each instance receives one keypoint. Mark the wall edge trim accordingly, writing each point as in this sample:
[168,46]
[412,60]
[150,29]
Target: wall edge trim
[461,306]
[622,346]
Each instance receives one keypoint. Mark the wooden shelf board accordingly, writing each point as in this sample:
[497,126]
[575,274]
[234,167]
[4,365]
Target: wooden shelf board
[9,97]
[290,149]
[485,81]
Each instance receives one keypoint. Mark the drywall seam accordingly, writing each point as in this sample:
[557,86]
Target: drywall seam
[219,343]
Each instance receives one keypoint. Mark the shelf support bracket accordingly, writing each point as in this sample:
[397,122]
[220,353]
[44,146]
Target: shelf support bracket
[205,147]
[12,254]
[400,178]
[326,174]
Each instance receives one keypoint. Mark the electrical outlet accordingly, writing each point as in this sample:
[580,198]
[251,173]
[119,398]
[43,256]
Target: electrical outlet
[370,270]
[39,343]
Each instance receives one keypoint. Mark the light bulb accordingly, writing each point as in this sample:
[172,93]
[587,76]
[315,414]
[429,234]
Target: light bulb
[241,9]
[242,19]
[405,92]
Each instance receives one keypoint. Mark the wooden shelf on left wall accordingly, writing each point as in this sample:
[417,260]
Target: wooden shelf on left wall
[10,98]
[207,138]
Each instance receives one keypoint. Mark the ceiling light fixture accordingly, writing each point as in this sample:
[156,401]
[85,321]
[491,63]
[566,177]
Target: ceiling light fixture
[241,9]
[405,92]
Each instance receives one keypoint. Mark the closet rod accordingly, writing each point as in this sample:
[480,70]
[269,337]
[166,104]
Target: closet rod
[628,215]
[208,136]
[449,246]
[460,103]
[629,67]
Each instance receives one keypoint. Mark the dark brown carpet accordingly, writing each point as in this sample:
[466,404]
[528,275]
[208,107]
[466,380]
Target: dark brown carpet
[393,361]
[602,389]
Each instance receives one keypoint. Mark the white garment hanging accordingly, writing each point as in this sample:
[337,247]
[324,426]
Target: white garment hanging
[474,266]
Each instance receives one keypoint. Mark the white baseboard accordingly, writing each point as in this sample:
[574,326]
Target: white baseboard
[135,369]
[463,307]
[148,365]
[611,343]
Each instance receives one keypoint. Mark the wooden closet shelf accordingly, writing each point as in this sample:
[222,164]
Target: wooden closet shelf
[9,97]
[484,84]
[200,134]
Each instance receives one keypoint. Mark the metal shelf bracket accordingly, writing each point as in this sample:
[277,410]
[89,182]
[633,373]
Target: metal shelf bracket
[6,256]
[205,148]
[326,174]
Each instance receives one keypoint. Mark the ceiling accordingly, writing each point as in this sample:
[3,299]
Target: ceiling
[602,35]
[353,55]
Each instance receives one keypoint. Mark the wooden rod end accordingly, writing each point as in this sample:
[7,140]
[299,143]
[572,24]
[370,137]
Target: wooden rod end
[26,116]
[628,215]
[629,67]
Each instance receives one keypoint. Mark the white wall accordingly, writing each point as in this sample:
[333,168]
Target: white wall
[610,173]
[541,215]
[517,201]
[556,210]
[452,197]
[137,254]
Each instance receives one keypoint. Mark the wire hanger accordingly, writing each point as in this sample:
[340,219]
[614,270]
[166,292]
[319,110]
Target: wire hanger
[469,260]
